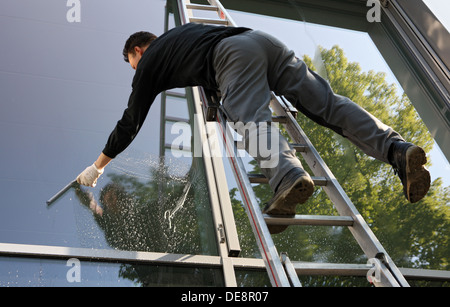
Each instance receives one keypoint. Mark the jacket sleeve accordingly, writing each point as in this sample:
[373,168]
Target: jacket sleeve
[139,103]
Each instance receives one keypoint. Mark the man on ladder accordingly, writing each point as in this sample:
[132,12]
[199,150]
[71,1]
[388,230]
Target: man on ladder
[245,66]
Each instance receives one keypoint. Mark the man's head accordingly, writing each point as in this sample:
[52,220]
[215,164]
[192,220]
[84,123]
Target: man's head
[135,46]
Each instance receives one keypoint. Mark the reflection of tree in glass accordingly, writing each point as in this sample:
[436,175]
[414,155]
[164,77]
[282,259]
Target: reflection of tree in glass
[160,215]
[166,214]
[414,235]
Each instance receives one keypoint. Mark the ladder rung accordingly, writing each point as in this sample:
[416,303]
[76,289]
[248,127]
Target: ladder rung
[297,147]
[180,148]
[260,178]
[337,269]
[311,220]
[209,21]
[279,119]
[300,147]
[281,272]
[176,119]
[202,7]
[175,94]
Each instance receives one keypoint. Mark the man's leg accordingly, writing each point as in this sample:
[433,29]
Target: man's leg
[241,64]
[241,72]
[313,96]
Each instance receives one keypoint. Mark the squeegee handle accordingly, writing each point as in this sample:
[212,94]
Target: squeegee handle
[60,193]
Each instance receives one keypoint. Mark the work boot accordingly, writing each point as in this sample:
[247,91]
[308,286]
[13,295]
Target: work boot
[408,162]
[295,188]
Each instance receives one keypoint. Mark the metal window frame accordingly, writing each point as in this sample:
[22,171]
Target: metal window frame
[404,43]
[188,260]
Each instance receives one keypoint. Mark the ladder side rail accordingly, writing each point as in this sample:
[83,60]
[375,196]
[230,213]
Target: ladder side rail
[360,230]
[225,244]
[290,270]
[217,167]
[268,250]
[265,242]
[212,139]
[184,12]
[228,241]
[224,11]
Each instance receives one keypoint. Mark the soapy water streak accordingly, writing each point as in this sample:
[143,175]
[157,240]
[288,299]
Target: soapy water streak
[169,214]
[142,166]
[318,60]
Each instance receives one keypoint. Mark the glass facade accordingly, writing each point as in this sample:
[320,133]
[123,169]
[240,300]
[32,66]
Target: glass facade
[152,220]
[63,89]
[33,272]
[59,103]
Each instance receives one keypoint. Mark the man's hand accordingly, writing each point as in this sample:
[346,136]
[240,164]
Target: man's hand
[89,176]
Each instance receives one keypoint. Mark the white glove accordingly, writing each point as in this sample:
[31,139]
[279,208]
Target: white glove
[89,176]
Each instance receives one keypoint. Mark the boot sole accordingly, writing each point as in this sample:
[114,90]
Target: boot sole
[285,203]
[417,176]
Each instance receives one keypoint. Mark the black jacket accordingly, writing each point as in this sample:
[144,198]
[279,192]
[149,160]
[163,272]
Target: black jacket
[180,57]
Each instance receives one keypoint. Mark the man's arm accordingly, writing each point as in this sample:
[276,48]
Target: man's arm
[102,161]
[139,103]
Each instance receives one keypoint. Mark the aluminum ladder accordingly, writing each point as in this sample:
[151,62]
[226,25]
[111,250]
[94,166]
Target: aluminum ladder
[280,269]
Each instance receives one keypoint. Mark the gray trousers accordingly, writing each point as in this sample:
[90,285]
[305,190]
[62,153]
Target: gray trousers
[252,64]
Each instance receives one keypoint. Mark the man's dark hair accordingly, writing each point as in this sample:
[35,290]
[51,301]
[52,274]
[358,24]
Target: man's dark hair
[138,39]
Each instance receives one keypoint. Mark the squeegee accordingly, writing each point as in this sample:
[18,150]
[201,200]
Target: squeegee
[63,190]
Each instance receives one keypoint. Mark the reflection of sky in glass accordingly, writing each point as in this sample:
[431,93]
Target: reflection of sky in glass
[441,9]
[63,86]
[53,273]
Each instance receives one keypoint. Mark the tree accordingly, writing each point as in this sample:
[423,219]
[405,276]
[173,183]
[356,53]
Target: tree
[414,235]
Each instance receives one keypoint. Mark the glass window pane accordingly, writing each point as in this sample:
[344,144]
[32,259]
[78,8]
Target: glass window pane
[373,187]
[252,278]
[62,93]
[440,9]
[177,107]
[34,272]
